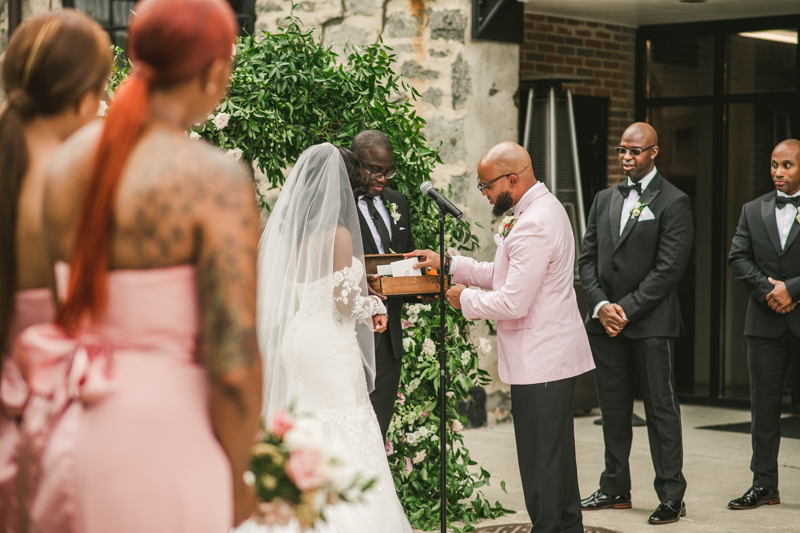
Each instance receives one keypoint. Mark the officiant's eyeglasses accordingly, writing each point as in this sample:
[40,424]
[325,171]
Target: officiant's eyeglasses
[621,150]
[483,186]
[389,174]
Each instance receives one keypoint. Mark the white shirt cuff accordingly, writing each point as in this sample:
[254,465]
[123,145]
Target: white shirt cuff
[598,306]
[453,260]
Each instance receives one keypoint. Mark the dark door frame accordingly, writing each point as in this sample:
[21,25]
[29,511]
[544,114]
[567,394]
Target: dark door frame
[718,100]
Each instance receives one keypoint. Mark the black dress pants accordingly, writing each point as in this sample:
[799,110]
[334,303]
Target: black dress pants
[387,381]
[545,436]
[621,363]
[768,360]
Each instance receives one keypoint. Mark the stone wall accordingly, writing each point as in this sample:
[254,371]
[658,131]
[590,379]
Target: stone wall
[604,53]
[467,86]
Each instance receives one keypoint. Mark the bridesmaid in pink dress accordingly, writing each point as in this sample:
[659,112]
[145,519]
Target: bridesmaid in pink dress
[146,396]
[53,88]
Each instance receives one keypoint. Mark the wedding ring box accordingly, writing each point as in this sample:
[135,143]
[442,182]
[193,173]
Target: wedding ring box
[400,286]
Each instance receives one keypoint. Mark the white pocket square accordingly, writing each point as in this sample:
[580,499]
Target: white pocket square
[498,240]
[646,215]
[401,228]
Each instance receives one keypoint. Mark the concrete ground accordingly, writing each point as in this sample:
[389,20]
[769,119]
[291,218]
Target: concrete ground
[716,467]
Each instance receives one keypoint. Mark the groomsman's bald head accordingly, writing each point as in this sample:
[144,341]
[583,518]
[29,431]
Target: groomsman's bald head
[505,174]
[637,150]
[785,166]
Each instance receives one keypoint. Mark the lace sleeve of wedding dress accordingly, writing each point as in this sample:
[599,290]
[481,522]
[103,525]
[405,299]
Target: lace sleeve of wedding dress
[347,294]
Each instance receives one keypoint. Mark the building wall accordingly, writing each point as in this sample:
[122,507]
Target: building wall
[467,87]
[604,53]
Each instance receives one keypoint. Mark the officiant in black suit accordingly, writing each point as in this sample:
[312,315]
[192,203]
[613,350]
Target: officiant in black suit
[637,243]
[765,257]
[385,228]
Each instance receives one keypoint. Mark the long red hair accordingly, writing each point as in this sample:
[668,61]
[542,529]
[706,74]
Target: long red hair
[169,41]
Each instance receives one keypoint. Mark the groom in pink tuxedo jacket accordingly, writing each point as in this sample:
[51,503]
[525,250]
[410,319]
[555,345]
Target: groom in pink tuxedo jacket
[541,340]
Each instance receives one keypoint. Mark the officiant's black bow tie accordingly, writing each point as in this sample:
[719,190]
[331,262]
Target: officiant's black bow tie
[781,201]
[625,189]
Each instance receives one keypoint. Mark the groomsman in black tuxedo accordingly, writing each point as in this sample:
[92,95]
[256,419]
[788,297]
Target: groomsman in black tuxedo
[637,244]
[765,257]
[385,228]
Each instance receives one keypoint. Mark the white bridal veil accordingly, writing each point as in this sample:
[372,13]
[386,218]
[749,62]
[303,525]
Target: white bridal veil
[313,232]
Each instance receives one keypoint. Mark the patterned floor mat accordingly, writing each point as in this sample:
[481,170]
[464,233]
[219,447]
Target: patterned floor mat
[525,528]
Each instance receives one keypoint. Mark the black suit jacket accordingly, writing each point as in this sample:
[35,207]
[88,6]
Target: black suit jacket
[756,255]
[640,269]
[402,242]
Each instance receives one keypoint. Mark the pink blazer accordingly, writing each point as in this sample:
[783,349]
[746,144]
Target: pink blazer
[540,333]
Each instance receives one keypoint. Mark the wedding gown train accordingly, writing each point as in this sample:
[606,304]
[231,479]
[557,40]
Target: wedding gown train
[333,390]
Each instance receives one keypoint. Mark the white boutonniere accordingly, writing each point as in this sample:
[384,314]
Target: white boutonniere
[506,225]
[797,218]
[637,209]
[393,211]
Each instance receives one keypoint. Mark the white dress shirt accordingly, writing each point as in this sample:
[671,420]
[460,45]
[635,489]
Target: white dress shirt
[383,212]
[785,218]
[454,258]
[627,207]
[633,197]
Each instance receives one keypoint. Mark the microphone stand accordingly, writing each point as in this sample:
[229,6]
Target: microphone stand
[442,375]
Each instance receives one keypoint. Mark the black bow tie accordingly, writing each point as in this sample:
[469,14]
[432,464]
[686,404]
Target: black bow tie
[625,189]
[781,201]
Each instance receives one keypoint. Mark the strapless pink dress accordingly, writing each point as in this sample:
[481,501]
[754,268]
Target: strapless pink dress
[32,306]
[117,434]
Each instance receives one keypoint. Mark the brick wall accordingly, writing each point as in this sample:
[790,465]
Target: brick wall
[602,52]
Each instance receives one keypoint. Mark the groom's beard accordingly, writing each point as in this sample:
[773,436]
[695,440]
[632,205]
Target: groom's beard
[503,203]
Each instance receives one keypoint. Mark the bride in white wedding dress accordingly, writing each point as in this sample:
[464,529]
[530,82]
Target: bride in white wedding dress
[315,322]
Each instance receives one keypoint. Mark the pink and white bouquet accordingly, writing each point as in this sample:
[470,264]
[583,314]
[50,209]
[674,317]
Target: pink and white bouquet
[295,474]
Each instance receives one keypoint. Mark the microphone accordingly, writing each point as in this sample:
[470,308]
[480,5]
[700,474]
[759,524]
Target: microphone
[444,203]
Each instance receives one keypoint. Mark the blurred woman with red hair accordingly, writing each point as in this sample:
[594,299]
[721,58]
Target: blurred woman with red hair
[157,237]
[54,71]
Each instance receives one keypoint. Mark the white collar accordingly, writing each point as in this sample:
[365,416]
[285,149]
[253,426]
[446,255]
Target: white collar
[526,194]
[364,197]
[781,193]
[645,181]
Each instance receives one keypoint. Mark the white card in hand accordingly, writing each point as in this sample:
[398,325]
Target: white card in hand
[646,214]
[405,268]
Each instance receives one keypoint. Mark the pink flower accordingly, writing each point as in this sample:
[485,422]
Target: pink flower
[281,423]
[304,467]
[409,466]
[389,447]
[401,398]
[406,324]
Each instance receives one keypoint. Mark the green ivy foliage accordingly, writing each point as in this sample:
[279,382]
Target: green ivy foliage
[288,92]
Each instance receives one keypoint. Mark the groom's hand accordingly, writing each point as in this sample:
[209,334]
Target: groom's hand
[427,258]
[379,323]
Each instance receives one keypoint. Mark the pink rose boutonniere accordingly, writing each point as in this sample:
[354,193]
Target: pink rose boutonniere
[506,225]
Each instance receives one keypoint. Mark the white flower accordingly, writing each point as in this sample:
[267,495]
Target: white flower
[635,213]
[466,358]
[249,478]
[457,426]
[419,457]
[425,307]
[484,346]
[412,385]
[194,135]
[235,154]
[102,109]
[339,472]
[428,347]
[396,217]
[408,344]
[798,214]
[221,120]
[305,434]
[413,318]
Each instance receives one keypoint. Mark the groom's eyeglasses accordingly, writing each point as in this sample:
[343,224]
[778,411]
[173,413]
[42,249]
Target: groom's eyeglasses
[389,174]
[621,150]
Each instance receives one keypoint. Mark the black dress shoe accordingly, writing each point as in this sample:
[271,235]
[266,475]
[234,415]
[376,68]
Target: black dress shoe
[668,512]
[601,500]
[756,497]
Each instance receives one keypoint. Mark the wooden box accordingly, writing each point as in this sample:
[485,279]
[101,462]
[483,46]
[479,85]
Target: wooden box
[405,286]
